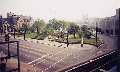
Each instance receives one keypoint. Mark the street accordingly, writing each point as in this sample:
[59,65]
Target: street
[51,58]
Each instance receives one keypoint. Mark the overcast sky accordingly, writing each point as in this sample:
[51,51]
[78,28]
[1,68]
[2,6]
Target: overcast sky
[67,9]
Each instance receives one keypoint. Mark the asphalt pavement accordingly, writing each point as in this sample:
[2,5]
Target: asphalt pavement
[52,56]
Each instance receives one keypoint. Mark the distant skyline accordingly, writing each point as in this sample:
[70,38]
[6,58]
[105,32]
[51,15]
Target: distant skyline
[62,9]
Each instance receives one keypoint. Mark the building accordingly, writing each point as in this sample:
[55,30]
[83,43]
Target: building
[24,20]
[109,25]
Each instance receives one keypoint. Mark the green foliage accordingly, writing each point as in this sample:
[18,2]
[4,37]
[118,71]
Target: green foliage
[84,28]
[90,41]
[73,29]
[72,37]
[38,26]
[31,35]
[42,35]
[85,32]
[57,28]
[78,41]
[55,24]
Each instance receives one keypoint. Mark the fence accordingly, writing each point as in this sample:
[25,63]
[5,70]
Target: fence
[9,56]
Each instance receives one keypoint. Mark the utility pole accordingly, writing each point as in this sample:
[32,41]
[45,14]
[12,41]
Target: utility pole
[67,39]
[14,30]
[24,33]
[25,23]
[96,33]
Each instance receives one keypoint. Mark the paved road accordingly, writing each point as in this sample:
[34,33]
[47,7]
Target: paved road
[48,58]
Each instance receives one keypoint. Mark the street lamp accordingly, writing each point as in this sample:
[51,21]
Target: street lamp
[82,40]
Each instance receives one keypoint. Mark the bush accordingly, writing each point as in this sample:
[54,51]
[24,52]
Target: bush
[90,41]
[42,36]
[34,37]
[71,41]
[72,37]
[31,35]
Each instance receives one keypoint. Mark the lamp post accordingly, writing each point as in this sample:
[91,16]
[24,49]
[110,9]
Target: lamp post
[82,40]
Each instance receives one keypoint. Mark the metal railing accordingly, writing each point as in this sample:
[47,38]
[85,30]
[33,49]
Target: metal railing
[8,56]
[95,64]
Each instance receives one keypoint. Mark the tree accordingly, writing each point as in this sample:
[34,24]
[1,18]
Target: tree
[73,29]
[39,26]
[25,28]
[86,31]
[55,24]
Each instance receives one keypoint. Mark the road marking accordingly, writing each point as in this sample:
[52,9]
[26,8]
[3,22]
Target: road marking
[50,56]
[25,46]
[38,59]
[41,57]
[56,63]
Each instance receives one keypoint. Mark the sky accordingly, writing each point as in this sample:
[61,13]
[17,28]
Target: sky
[62,9]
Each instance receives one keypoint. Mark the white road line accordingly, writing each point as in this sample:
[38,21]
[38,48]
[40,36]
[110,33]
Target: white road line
[38,59]
[50,56]
[32,48]
[29,56]
[59,61]
[56,63]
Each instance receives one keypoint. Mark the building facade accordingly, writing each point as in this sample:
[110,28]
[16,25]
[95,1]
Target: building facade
[109,25]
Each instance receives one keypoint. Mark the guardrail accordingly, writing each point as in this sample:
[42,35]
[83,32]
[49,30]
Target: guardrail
[94,64]
[8,56]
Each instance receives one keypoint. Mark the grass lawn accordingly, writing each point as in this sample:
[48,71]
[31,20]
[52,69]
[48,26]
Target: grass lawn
[31,35]
[72,40]
[91,41]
